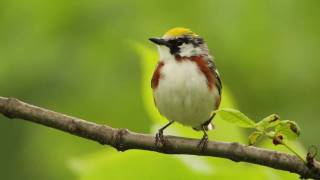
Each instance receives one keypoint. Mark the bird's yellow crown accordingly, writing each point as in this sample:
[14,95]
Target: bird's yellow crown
[179,31]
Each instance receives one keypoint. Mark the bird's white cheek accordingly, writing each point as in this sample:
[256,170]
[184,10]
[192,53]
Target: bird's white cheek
[188,50]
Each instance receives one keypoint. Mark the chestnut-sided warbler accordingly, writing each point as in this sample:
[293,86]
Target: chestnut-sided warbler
[186,84]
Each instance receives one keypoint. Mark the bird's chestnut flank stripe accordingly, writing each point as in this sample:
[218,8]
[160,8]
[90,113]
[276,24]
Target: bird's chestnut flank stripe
[156,75]
[203,66]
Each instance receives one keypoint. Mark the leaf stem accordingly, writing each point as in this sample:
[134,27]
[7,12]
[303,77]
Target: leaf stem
[271,136]
[293,151]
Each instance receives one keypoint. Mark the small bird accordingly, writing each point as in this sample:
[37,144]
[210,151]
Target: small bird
[186,84]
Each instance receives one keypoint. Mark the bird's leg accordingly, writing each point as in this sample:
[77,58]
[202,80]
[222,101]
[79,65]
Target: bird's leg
[212,116]
[204,140]
[159,135]
[210,119]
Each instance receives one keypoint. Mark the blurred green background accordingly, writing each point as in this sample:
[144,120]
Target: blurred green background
[92,59]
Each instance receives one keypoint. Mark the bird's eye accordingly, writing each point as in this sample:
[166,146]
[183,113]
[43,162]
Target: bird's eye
[179,42]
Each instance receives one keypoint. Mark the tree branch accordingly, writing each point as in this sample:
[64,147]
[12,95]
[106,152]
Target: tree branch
[122,139]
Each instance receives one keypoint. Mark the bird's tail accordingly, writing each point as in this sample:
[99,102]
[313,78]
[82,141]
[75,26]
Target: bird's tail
[210,126]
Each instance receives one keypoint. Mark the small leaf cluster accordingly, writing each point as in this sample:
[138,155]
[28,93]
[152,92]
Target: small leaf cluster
[271,126]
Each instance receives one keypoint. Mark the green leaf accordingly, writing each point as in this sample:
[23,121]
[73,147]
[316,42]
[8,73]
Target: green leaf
[289,129]
[236,117]
[253,137]
[268,122]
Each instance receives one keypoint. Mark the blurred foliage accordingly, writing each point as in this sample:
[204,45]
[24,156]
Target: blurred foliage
[77,57]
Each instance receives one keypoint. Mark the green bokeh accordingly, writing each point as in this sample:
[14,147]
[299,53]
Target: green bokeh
[77,57]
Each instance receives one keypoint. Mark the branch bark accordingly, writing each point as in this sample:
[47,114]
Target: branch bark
[123,139]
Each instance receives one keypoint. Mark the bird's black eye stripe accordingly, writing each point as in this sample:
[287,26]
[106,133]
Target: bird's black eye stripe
[186,40]
[177,42]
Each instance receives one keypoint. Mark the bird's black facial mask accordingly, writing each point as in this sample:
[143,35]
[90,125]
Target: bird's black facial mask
[174,44]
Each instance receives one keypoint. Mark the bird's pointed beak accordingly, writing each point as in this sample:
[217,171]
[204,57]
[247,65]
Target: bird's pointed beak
[159,41]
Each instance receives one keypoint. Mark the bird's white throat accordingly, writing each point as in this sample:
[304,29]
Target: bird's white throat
[165,55]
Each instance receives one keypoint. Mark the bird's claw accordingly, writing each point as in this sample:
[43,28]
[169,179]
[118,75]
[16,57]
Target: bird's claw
[202,146]
[159,138]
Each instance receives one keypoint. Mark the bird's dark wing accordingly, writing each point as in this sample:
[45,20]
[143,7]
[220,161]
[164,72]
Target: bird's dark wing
[215,73]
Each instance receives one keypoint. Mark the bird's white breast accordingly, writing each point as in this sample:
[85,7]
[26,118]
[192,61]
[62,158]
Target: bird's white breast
[183,95]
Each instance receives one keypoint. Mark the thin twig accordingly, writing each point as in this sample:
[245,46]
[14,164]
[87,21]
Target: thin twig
[122,139]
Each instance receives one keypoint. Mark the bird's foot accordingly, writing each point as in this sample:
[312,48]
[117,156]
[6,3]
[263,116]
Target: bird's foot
[202,146]
[159,139]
